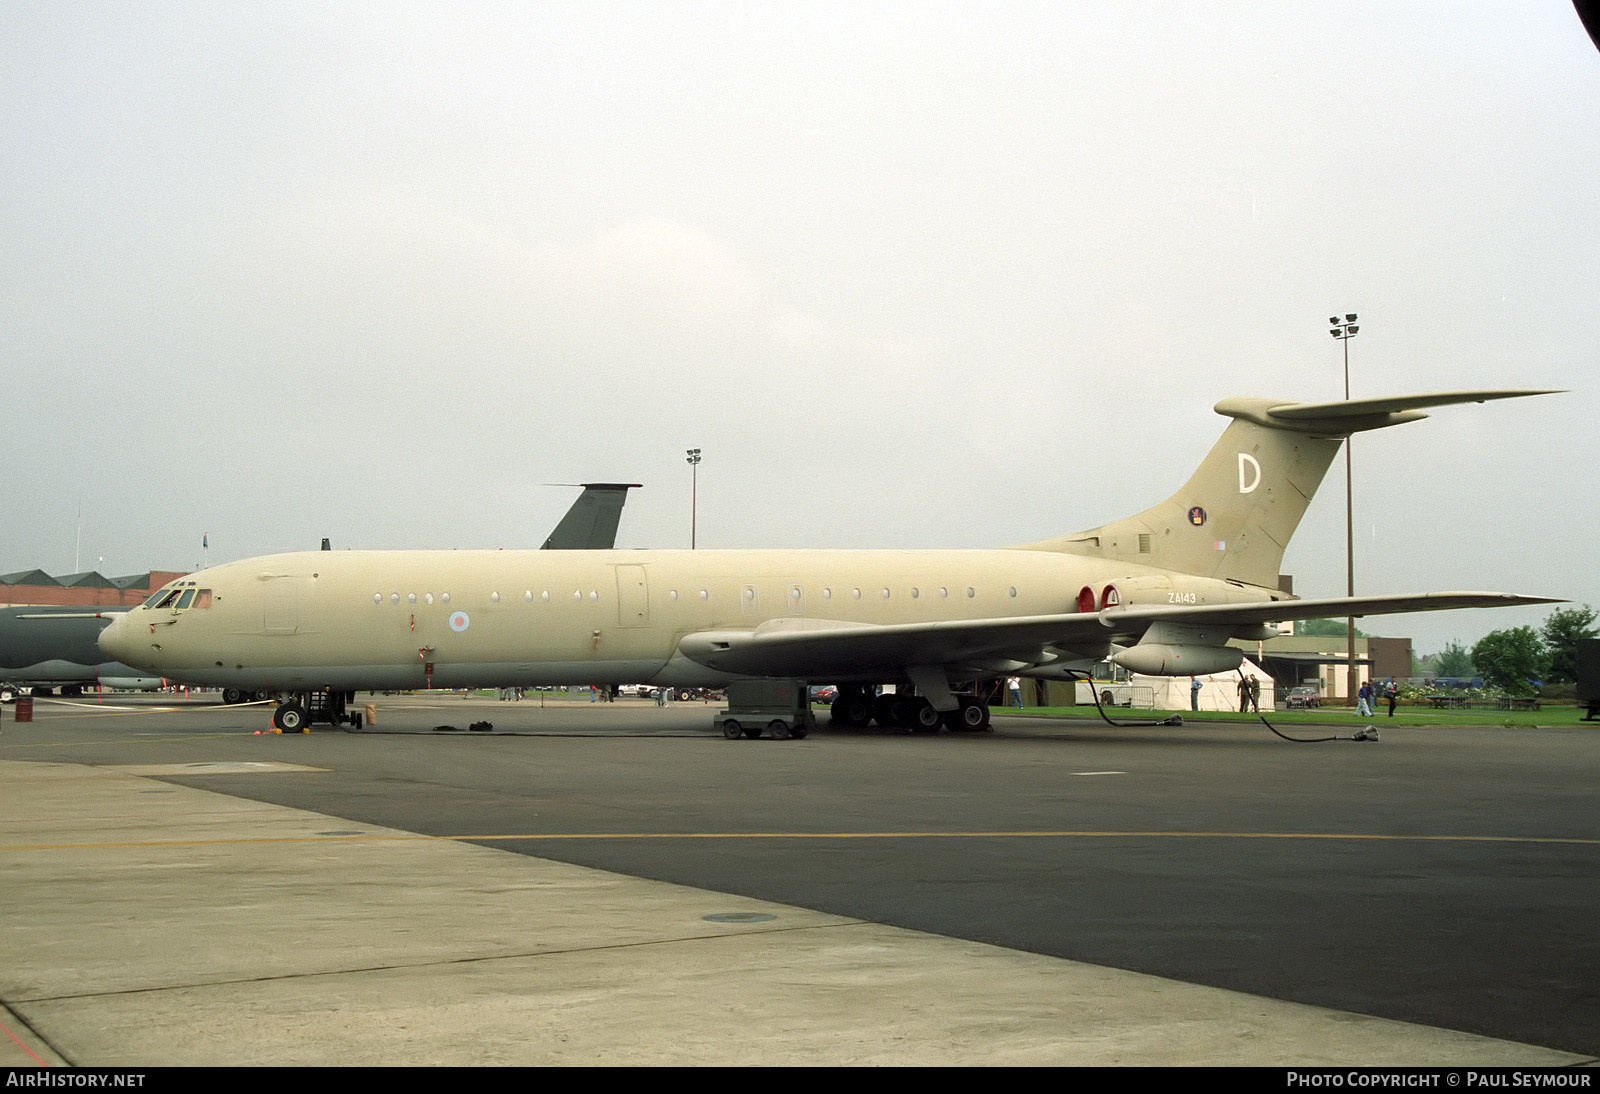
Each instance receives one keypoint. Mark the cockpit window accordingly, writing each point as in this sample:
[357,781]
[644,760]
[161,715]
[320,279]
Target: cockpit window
[180,596]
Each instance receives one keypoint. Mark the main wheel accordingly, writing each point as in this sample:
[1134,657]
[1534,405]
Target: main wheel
[970,717]
[891,711]
[290,717]
[924,719]
[852,709]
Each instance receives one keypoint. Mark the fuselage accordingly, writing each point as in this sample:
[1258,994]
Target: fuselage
[414,619]
[51,645]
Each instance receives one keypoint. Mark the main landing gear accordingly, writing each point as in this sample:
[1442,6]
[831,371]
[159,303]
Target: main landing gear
[299,712]
[856,708]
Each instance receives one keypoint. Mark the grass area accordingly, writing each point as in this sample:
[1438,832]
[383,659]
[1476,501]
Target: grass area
[1552,714]
[1549,716]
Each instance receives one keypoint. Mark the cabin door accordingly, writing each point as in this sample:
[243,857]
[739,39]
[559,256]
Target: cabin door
[633,597]
[280,606]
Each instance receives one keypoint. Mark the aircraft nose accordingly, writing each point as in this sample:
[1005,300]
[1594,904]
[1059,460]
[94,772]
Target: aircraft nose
[116,640]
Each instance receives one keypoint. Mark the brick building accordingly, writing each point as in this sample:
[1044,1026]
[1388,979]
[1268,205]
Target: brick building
[86,590]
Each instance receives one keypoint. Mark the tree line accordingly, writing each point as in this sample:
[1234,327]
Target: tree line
[1517,658]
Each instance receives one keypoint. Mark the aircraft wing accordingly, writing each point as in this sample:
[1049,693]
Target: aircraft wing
[1333,607]
[822,648]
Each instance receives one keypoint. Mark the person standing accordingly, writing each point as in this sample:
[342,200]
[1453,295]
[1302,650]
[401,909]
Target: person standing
[1244,693]
[1194,692]
[1014,684]
[1391,693]
[1364,701]
[1255,694]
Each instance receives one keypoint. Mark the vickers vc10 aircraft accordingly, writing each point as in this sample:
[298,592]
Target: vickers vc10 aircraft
[1160,593]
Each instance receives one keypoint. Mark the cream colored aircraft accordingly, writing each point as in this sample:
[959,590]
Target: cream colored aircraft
[1160,593]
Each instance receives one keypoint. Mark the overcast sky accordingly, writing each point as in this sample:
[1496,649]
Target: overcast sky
[910,274]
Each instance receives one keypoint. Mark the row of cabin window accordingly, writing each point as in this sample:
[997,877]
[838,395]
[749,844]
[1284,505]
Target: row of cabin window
[444,598]
[748,593]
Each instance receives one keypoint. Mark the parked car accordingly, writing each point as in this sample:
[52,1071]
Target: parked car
[1303,698]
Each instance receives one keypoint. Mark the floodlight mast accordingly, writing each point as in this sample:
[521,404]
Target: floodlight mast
[694,493]
[1344,331]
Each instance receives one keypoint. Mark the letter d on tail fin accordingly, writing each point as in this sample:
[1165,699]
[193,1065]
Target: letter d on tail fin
[1249,473]
[1235,515]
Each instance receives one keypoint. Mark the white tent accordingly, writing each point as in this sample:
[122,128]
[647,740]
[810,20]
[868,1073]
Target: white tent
[1218,691]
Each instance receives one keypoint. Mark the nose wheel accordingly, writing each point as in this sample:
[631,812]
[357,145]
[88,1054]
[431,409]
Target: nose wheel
[290,717]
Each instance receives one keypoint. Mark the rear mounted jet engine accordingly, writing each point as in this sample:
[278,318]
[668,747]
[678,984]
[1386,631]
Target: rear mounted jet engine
[1176,590]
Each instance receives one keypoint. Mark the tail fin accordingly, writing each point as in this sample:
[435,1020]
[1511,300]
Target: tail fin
[591,523]
[1233,519]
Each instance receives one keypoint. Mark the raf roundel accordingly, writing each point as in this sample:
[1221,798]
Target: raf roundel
[459,621]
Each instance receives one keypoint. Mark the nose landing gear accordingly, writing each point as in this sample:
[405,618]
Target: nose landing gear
[297,713]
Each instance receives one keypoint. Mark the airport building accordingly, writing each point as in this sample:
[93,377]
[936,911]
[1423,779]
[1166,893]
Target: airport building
[86,590]
[1319,661]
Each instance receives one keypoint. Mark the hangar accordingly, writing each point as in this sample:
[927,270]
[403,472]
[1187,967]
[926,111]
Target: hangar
[85,590]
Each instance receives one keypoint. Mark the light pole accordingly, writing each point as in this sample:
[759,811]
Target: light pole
[1344,331]
[694,492]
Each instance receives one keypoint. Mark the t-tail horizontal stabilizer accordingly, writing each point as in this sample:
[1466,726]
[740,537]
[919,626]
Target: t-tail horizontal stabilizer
[1233,519]
[1340,419]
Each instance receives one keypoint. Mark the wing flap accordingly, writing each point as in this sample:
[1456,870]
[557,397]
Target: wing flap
[1279,611]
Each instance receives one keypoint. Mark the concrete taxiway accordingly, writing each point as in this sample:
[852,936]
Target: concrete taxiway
[618,885]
